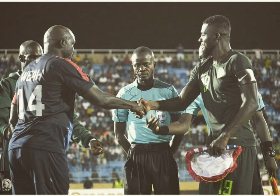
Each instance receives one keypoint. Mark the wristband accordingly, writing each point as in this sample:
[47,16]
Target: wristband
[267,149]
[163,130]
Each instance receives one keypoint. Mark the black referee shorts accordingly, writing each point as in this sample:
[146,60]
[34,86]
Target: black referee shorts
[38,172]
[151,165]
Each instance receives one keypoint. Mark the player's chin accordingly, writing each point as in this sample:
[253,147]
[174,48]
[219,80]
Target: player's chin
[143,78]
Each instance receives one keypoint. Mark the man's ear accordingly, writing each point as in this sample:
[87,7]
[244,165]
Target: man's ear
[63,43]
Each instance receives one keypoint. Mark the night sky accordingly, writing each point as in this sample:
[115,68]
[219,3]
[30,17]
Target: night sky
[129,25]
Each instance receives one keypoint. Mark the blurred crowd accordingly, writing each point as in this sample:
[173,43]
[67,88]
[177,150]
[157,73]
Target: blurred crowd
[114,71]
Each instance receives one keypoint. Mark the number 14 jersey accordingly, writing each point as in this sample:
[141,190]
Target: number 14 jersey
[45,94]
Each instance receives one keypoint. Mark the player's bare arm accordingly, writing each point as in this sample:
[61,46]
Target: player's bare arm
[102,99]
[248,87]
[120,130]
[13,115]
[259,124]
[175,142]
[179,127]
[186,97]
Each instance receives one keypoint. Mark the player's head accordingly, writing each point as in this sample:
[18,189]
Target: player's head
[59,40]
[143,62]
[29,51]
[215,31]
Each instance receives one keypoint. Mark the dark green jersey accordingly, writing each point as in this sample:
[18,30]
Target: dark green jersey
[7,88]
[221,94]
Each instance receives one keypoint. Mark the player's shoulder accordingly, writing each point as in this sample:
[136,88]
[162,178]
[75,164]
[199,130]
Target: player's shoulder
[128,87]
[161,84]
[10,79]
[14,75]
[52,59]
[238,57]
[56,62]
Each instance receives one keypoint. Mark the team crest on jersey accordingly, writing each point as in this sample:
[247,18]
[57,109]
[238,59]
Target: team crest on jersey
[205,79]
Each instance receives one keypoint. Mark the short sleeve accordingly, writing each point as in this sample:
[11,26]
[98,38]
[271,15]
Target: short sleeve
[120,115]
[174,92]
[173,95]
[239,63]
[193,108]
[260,102]
[71,75]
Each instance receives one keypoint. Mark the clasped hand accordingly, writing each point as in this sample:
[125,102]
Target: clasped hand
[96,146]
[141,108]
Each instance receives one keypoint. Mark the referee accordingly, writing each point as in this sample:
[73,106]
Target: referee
[150,161]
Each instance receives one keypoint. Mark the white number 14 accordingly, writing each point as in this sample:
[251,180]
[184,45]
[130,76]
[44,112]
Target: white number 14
[38,107]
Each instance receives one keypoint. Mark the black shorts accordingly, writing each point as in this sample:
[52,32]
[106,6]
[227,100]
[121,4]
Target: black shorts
[151,165]
[38,172]
[240,181]
[5,170]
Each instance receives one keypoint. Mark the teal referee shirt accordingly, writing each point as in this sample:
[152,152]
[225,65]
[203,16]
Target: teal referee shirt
[137,130]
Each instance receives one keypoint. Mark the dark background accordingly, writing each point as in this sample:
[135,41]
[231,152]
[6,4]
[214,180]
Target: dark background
[129,25]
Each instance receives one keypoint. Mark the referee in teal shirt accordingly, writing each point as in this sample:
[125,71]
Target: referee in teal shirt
[150,161]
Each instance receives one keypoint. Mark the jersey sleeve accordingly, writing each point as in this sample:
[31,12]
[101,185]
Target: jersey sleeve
[193,108]
[239,63]
[120,115]
[174,93]
[260,102]
[71,75]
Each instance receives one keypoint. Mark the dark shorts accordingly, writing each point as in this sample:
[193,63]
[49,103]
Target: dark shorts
[241,180]
[5,170]
[151,165]
[38,172]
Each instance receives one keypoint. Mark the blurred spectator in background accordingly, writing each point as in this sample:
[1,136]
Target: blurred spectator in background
[180,53]
[88,184]
[117,183]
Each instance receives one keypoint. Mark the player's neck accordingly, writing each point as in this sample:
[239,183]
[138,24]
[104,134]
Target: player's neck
[221,53]
[143,86]
[54,52]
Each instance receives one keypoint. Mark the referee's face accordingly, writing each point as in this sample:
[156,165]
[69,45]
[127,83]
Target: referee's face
[143,67]
[207,41]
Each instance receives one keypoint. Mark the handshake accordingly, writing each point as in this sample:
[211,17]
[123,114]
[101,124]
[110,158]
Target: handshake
[141,108]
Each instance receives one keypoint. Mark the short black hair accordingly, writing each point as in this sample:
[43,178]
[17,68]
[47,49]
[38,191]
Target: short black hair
[220,21]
